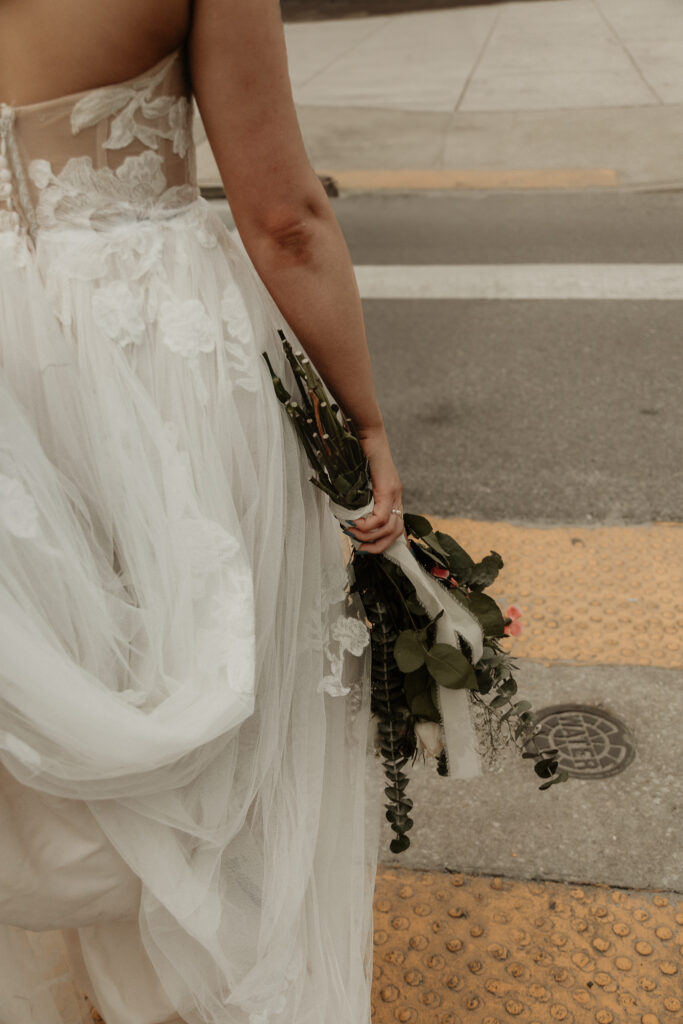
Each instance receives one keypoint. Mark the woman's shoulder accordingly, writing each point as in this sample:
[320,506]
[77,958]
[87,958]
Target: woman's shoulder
[49,50]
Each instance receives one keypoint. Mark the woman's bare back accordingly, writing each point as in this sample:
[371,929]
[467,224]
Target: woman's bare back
[50,49]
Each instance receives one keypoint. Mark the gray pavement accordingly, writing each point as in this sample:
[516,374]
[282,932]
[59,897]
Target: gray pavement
[552,86]
[536,412]
[491,227]
[624,830]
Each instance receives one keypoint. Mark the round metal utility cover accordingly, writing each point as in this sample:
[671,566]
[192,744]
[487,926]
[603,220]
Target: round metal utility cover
[591,743]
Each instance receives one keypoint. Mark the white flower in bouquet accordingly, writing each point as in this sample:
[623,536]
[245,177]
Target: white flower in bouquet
[430,738]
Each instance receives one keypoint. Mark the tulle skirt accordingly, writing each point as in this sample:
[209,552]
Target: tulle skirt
[184,688]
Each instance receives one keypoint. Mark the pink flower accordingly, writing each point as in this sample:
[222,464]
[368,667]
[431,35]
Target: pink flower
[441,574]
[515,627]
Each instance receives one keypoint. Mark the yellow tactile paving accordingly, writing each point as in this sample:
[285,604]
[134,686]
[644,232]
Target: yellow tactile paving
[459,949]
[604,594]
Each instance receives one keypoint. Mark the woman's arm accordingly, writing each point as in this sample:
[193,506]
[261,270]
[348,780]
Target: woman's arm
[241,82]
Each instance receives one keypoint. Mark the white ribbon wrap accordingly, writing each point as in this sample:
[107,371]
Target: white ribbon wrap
[464,761]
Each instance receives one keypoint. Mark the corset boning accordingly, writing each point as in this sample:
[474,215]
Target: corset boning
[101,157]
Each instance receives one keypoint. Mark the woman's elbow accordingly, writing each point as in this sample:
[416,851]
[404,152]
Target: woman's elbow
[288,227]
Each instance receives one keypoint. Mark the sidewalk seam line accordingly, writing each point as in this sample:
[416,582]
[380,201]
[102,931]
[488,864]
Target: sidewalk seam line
[340,56]
[456,109]
[598,7]
[477,62]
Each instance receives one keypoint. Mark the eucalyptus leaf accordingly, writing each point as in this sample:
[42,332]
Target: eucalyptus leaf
[399,844]
[409,652]
[416,682]
[417,525]
[432,541]
[458,559]
[423,706]
[560,777]
[484,680]
[450,668]
[509,687]
[487,613]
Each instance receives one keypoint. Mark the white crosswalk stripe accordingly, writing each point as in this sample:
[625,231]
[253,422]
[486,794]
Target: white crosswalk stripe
[660,281]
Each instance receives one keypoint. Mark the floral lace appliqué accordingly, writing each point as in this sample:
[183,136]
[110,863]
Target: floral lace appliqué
[335,583]
[20,515]
[84,196]
[207,545]
[345,634]
[14,252]
[130,107]
[241,349]
[18,510]
[220,575]
[118,308]
[186,328]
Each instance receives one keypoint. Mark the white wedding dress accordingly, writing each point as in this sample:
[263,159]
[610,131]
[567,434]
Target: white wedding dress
[184,680]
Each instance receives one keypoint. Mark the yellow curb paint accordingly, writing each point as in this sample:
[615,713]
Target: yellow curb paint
[607,594]
[551,178]
[450,948]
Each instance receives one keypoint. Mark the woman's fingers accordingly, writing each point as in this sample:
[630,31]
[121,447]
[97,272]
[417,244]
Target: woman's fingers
[381,515]
[377,546]
[375,535]
[376,532]
[378,538]
[381,528]
[374,521]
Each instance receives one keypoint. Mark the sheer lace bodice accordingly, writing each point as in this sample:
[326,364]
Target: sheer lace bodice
[101,156]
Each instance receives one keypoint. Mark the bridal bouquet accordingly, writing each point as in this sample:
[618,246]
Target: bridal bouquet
[439,666]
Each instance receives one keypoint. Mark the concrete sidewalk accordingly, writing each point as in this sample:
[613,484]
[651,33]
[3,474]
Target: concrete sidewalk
[552,94]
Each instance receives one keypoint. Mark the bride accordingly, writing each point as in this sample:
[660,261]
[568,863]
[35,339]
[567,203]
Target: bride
[184,705]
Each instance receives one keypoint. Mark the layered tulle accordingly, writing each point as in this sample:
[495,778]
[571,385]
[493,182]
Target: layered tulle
[179,653]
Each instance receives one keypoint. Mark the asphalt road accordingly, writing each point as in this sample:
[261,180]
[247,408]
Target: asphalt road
[536,411]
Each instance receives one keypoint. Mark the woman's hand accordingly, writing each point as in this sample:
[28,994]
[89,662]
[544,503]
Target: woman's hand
[382,527]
